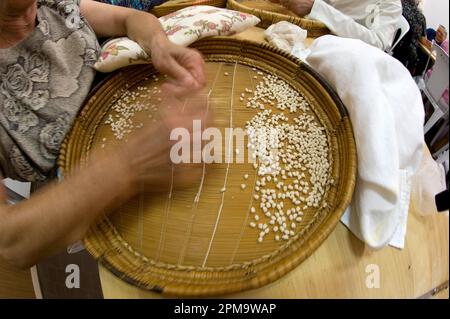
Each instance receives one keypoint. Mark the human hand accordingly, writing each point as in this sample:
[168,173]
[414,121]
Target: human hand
[147,155]
[183,66]
[300,7]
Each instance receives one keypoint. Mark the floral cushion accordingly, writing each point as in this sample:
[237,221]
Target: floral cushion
[182,27]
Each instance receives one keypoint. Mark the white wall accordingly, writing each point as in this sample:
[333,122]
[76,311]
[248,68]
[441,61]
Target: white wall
[436,12]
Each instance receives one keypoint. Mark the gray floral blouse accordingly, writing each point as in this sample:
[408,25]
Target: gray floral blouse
[43,82]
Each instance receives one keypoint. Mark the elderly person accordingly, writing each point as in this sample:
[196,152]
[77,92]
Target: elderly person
[407,50]
[441,40]
[440,36]
[372,21]
[47,50]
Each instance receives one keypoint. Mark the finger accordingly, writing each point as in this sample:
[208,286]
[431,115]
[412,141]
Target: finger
[157,142]
[196,65]
[175,113]
[197,107]
[177,73]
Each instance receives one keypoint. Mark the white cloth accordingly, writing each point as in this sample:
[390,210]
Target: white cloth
[386,110]
[288,37]
[428,181]
[372,21]
[353,221]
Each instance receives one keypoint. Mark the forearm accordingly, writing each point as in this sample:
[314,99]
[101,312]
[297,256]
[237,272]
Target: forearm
[61,213]
[183,66]
[146,30]
[107,20]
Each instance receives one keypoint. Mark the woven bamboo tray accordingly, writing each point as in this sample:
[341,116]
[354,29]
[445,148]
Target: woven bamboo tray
[167,245]
[271,13]
[175,5]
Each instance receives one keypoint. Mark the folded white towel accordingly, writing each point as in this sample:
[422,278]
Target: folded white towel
[386,110]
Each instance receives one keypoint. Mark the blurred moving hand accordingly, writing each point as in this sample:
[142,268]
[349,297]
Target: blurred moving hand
[183,66]
[146,156]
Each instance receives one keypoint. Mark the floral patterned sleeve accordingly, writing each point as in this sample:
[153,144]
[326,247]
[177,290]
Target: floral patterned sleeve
[43,82]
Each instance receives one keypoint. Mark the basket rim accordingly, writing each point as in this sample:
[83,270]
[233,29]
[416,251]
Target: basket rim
[315,27]
[315,239]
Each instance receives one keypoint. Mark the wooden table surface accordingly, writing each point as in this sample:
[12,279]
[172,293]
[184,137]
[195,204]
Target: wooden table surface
[338,268]
[342,265]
